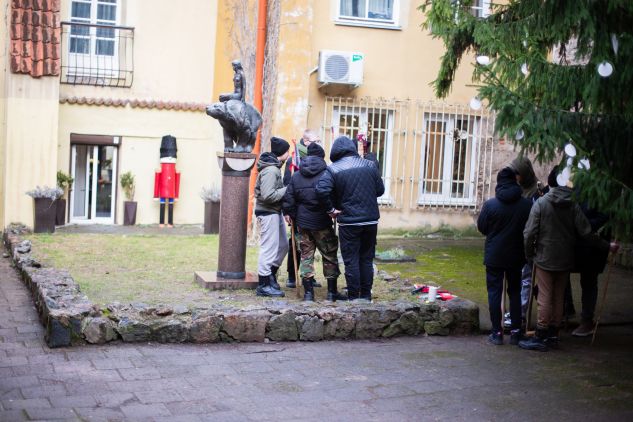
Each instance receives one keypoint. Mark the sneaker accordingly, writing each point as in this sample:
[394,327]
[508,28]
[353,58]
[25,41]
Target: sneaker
[534,343]
[515,337]
[585,329]
[507,322]
[496,338]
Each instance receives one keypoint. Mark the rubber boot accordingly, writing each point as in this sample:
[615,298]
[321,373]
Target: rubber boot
[273,282]
[332,293]
[308,288]
[535,343]
[265,289]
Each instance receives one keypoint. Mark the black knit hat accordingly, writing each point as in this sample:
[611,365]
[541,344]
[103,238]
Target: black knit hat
[315,149]
[168,147]
[278,146]
[551,179]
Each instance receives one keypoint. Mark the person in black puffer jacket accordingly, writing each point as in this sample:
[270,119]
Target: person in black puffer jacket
[314,225]
[502,220]
[349,189]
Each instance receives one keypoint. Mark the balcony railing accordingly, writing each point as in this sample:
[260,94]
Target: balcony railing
[99,55]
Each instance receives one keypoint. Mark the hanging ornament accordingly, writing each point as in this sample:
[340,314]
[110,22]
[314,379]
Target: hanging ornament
[524,69]
[525,43]
[570,161]
[475,103]
[483,60]
[566,173]
[570,150]
[561,180]
[584,164]
[605,69]
[614,43]
[519,135]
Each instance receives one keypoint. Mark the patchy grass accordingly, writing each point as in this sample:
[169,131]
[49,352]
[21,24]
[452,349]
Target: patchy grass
[159,269]
[427,232]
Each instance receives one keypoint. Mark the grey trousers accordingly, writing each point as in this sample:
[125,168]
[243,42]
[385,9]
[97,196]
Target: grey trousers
[273,244]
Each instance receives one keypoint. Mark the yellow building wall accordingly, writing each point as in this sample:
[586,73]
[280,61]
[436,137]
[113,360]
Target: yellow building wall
[174,59]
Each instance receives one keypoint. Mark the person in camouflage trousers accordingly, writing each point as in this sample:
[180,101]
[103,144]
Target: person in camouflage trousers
[315,226]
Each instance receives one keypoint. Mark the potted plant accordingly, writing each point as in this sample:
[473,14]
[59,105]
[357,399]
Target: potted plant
[64,181]
[129,206]
[211,197]
[45,208]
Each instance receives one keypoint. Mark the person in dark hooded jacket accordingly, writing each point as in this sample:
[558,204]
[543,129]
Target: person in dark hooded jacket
[349,189]
[314,225]
[502,220]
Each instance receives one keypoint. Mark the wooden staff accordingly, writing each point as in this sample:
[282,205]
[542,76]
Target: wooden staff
[294,257]
[604,298]
[528,316]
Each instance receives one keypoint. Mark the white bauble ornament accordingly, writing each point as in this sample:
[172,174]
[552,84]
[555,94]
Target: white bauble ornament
[570,161]
[605,69]
[519,135]
[584,164]
[475,103]
[561,180]
[524,69]
[570,150]
[614,43]
[483,60]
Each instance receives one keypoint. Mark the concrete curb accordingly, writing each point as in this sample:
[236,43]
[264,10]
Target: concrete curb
[70,318]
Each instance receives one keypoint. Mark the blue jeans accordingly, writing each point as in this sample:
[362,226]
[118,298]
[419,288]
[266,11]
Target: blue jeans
[358,247]
[494,283]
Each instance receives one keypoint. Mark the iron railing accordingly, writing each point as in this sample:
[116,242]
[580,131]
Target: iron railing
[99,55]
[430,154]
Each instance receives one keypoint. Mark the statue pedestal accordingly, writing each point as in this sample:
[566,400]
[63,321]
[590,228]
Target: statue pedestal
[236,170]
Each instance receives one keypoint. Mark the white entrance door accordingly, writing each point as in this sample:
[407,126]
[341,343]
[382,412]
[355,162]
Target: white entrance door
[92,198]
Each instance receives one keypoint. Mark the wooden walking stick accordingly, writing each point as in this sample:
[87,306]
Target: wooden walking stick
[604,298]
[294,258]
[528,315]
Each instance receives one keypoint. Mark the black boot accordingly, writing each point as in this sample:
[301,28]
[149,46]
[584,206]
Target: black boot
[332,293]
[552,337]
[265,289]
[273,281]
[535,343]
[291,283]
[308,288]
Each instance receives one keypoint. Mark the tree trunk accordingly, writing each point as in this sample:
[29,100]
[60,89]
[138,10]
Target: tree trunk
[45,211]
[129,213]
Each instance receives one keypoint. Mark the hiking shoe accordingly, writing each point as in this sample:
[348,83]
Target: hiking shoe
[533,343]
[516,336]
[585,329]
[495,338]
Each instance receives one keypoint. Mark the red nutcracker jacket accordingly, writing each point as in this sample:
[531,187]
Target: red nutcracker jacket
[166,181]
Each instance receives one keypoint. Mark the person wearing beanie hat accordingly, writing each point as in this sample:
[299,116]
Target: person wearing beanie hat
[167,180]
[349,189]
[316,231]
[300,151]
[269,192]
[502,220]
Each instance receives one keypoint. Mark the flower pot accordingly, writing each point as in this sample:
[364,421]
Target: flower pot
[45,212]
[211,217]
[129,213]
[60,216]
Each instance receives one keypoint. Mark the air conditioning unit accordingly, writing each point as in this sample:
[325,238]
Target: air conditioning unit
[341,67]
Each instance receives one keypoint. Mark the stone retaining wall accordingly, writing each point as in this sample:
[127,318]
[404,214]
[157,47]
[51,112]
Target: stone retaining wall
[70,318]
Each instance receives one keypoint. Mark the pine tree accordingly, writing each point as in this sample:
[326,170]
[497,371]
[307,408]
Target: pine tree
[545,101]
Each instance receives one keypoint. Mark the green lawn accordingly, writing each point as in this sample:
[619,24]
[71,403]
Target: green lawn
[159,269]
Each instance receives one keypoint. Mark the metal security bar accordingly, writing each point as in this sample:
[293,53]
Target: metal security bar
[384,123]
[431,154]
[454,147]
[99,55]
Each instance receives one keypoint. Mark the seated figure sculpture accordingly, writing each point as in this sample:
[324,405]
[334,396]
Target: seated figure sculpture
[239,120]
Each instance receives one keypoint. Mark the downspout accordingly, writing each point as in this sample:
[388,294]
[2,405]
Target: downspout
[257,100]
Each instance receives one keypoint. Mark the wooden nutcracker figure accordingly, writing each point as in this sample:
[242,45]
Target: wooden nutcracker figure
[167,180]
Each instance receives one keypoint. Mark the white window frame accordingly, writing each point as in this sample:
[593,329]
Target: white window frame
[106,65]
[445,196]
[481,8]
[393,23]
[363,121]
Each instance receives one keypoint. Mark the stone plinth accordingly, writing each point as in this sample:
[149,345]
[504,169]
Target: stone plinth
[212,281]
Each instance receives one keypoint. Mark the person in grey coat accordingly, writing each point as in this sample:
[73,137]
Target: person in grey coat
[269,192]
[555,224]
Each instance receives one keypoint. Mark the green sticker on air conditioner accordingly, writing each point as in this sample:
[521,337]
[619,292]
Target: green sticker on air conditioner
[357,57]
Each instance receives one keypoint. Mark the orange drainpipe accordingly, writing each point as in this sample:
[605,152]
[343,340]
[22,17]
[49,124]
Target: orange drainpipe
[257,100]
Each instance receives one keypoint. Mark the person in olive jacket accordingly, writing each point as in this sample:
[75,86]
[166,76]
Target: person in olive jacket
[555,224]
[502,220]
[269,192]
[314,225]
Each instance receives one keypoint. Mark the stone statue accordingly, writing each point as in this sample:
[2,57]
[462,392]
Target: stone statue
[239,120]
[238,84]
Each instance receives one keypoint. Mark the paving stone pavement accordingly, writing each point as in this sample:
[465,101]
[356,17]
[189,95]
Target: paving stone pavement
[404,379]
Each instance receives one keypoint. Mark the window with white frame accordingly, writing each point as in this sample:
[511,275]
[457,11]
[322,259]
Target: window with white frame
[368,12]
[448,159]
[377,125]
[480,8]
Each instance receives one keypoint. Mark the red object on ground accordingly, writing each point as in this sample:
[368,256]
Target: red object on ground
[167,181]
[443,294]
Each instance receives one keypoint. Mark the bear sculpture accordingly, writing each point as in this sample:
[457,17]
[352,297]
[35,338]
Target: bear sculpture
[240,122]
